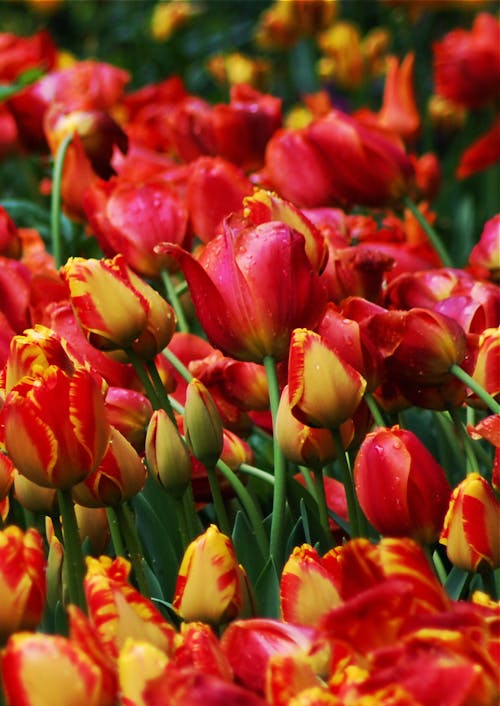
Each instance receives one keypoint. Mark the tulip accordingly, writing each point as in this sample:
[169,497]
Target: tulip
[202,423]
[53,449]
[343,63]
[400,487]
[467,64]
[120,475]
[487,366]
[129,412]
[233,288]
[22,580]
[486,253]
[31,660]
[470,531]
[481,154]
[324,390]
[10,241]
[399,111]
[93,528]
[139,663]
[210,585]
[144,321]
[7,472]
[131,217]
[118,611]
[199,647]
[33,496]
[167,455]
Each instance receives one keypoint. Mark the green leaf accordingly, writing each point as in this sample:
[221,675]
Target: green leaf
[267,590]
[456,583]
[246,547]
[302,504]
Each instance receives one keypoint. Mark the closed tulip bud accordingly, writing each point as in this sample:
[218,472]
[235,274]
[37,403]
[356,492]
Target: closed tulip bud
[22,580]
[202,424]
[211,585]
[129,412]
[324,390]
[470,531]
[93,527]
[54,572]
[42,669]
[53,449]
[306,445]
[120,475]
[167,454]
[402,490]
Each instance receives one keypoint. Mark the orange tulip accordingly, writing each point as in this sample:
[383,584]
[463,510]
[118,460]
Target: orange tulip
[22,580]
[399,111]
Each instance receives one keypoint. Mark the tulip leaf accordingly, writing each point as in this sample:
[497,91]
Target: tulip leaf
[302,504]
[456,583]
[246,547]
[267,590]
[296,537]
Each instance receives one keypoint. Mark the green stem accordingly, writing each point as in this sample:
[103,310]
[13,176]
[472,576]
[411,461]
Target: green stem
[116,536]
[144,378]
[55,200]
[471,460]
[177,364]
[376,413]
[174,300]
[131,540]
[478,389]
[159,389]
[220,508]
[73,554]
[348,482]
[253,513]
[181,521]
[193,524]
[256,473]
[430,232]
[307,476]
[279,490]
[319,487]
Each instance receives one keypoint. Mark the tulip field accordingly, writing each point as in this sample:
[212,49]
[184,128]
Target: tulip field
[249,353]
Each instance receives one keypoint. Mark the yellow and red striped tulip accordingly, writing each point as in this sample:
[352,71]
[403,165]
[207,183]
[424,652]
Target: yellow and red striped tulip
[52,449]
[197,646]
[139,663]
[22,580]
[324,390]
[143,320]
[401,488]
[470,531]
[120,475]
[167,454]
[49,669]
[33,351]
[291,681]
[211,586]
[129,411]
[307,588]
[487,366]
[118,611]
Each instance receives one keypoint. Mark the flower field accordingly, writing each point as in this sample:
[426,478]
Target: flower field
[249,353]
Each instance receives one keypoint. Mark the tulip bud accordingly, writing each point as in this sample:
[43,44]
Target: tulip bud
[167,454]
[93,526]
[470,531]
[324,389]
[400,487]
[22,580]
[203,425]
[211,585]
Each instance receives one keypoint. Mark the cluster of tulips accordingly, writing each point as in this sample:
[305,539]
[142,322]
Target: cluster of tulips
[249,407]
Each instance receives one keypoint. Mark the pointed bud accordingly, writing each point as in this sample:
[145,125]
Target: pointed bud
[202,424]
[167,454]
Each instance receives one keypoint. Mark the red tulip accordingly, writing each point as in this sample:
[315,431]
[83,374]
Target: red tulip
[129,412]
[399,111]
[486,253]
[481,154]
[235,286]
[400,487]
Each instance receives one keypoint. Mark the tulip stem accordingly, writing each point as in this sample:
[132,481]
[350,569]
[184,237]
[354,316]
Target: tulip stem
[218,501]
[375,411]
[471,460]
[174,300]
[193,524]
[256,473]
[160,391]
[128,531]
[430,232]
[144,378]
[319,488]
[348,482]
[478,389]
[73,554]
[279,490]
[177,364]
[55,200]
[254,515]
[116,536]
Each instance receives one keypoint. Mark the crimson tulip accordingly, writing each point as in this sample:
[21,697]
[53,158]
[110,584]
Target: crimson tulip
[481,154]
[486,253]
[53,449]
[402,490]
[247,305]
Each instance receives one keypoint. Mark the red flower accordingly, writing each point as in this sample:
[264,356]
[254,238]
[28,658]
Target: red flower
[399,111]
[18,54]
[482,153]
[247,305]
[467,64]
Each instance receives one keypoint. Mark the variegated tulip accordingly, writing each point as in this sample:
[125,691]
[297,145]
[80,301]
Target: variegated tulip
[129,411]
[167,454]
[118,611]
[120,475]
[52,449]
[487,366]
[324,390]
[22,580]
[210,585]
[470,531]
[49,669]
